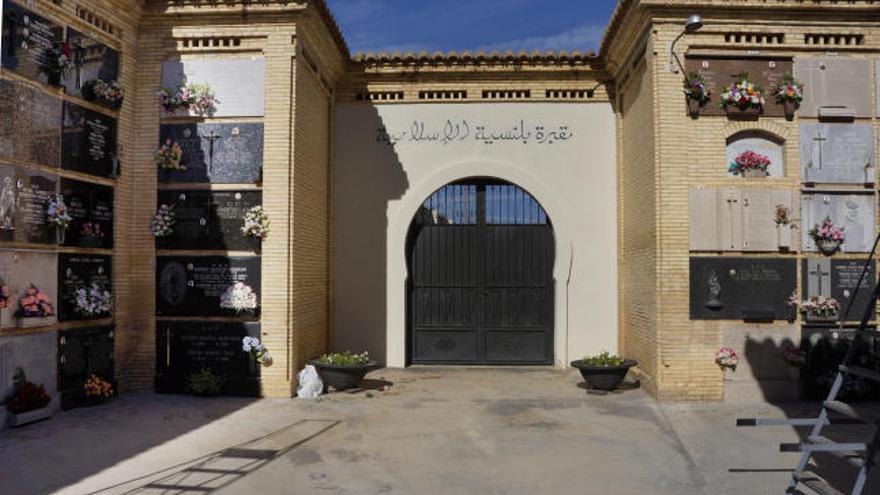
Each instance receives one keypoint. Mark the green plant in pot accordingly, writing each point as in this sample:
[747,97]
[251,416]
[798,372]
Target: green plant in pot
[343,370]
[206,383]
[603,371]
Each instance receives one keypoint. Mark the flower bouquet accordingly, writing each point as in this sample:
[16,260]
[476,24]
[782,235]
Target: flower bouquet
[827,236]
[35,307]
[109,94]
[93,301]
[169,156]
[190,98]
[696,93]
[820,308]
[163,221]
[257,351]
[793,356]
[96,390]
[750,164]
[58,62]
[256,223]
[29,402]
[239,298]
[727,359]
[743,95]
[91,235]
[6,304]
[58,215]
[789,92]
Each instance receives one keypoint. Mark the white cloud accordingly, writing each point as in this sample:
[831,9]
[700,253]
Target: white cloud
[583,38]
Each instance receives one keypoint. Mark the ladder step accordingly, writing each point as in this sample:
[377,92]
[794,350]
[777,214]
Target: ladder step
[815,483]
[854,458]
[848,411]
[863,372]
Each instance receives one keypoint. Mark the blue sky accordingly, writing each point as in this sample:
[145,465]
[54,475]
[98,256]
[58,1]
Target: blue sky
[432,25]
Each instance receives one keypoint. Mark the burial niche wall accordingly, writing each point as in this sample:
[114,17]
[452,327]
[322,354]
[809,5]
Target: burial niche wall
[741,219]
[763,143]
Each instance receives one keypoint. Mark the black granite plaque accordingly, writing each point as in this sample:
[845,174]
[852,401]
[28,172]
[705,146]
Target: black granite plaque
[825,349]
[83,352]
[191,286]
[24,198]
[30,129]
[209,219]
[93,60]
[221,153]
[88,142]
[186,347]
[81,270]
[756,289]
[91,206]
[28,43]
[838,278]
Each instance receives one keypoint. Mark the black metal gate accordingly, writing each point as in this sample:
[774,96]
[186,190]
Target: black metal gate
[481,257]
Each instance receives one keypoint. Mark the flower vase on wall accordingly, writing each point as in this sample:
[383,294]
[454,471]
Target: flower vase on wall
[6,318]
[728,374]
[783,237]
[60,235]
[790,108]
[794,373]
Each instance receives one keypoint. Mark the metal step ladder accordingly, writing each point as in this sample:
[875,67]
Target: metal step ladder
[861,455]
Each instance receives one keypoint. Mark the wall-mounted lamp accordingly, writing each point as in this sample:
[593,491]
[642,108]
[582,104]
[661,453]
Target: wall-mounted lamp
[693,24]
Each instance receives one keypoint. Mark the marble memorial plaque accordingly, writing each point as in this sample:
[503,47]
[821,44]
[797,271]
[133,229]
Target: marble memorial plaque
[83,352]
[854,212]
[192,286]
[209,219]
[734,219]
[24,197]
[93,60]
[30,129]
[758,143]
[20,270]
[704,222]
[837,84]
[839,278]
[220,153]
[227,77]
[727,288]
[721,71]
[91,206]
[35,354]
[27,43]
[760,230]
[186,347]
[88,141]
[837,153]
[77,271]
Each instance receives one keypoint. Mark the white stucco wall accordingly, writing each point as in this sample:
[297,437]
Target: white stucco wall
[390,158]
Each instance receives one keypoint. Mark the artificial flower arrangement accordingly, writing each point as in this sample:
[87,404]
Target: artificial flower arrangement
[193,98]
[92,301]
[27,396]
[58,61]
[788,89]
[5,296]
[346,358]
[793,356]
[106,93]
[256,223]
[35,303]
[239,297]
[727,357]
[783,215]
[169,156]
[57,213]
[792,306]
[820,307]
[96,388]
[92,230]
[163,221]
[827,235]
[750,163]
[742,94]
[257,350]
[695,88]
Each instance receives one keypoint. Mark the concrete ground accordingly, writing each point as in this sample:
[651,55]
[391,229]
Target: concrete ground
[434,431]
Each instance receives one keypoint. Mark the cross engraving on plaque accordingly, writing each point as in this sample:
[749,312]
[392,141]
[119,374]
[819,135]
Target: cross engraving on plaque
[731,205]
[820,275]
[211,138]
[820,140]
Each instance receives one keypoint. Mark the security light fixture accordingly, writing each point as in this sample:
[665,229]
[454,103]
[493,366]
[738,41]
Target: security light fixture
[693,24]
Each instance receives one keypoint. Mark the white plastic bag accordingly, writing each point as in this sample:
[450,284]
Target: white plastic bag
[310,384]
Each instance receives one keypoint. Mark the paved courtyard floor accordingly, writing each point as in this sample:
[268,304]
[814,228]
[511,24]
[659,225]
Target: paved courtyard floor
[434,431]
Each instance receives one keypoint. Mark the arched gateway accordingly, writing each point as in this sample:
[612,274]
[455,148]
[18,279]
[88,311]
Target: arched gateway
[480,257]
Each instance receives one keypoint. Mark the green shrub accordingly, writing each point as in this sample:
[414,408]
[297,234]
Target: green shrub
[604,360]
[205,382]
[346,358]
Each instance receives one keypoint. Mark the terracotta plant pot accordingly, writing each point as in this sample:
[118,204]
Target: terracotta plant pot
[605,378]
[828,246]
[342,377]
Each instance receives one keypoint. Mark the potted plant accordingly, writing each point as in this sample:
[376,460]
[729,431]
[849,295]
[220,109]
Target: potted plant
[795,359]
[343,370]
[58,215]
[782,219]
[742,98]
[28,403]
[820,309]
[35,309]
[93,301]
[109,94]
[696,93]
[727,359]
[256,223]
[96,390]
[188,99]
[827,236]
[205,383]
[91,235]
[239,298]
[750,164]
[169,156]
[163,221]
[788,92]
[6,305]
[603,371]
